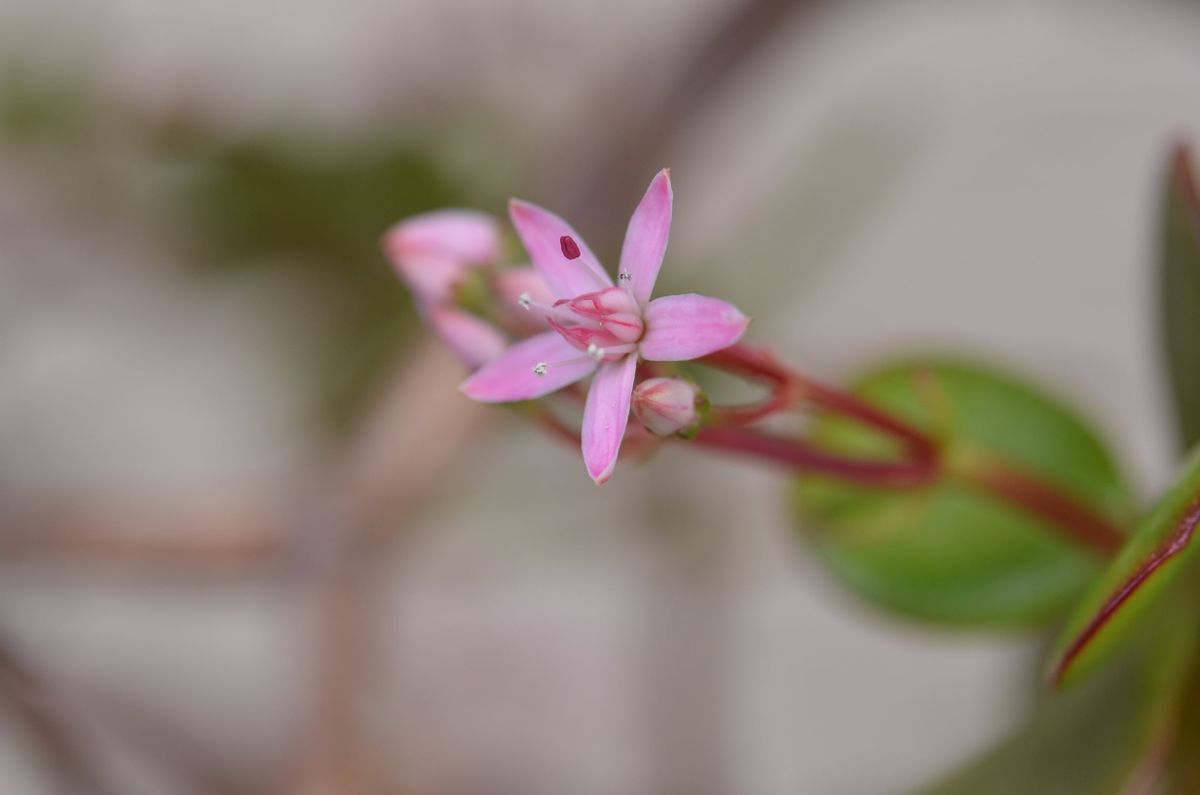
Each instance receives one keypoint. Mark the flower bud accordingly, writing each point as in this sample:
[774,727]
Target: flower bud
[668,406]
[432,252]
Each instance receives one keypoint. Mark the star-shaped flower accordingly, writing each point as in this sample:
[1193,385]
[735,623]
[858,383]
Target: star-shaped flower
[602,328]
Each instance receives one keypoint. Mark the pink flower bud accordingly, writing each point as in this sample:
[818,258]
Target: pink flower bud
[668,406]
[432,252]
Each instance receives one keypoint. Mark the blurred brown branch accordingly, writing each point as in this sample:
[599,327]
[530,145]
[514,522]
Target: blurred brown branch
[326,535]
[704,70]
[57,718]
[55,730]
[403,450]
[387,465]
[217,534]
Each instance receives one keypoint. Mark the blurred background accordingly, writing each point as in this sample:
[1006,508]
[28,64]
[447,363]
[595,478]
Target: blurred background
[253,541]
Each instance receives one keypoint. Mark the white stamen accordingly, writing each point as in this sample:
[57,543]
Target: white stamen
[596,352]
[624,277]
[525,300]
[540,369]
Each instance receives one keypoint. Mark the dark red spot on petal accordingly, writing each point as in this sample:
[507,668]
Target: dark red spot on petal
[570,248]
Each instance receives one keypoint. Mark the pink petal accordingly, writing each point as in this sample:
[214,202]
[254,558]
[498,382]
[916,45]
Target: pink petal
[511,283]
[468,236]
[682,327]
[606,415]
[646,238]
[473,340]
[511,377]
[430,275]
[542,231]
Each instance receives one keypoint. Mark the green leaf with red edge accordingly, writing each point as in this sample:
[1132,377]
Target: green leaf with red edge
[1142,575]
[951,552]
[1151,564]
[1179,279]
[1110,736]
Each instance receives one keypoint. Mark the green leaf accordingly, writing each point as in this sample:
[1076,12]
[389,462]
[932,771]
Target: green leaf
[1179,271]
[951,552]
[1136,584]
[1103,738]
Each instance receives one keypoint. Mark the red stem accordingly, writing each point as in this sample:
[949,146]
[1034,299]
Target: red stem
[789,387]
[848,405]
[1073,518]
[803,457]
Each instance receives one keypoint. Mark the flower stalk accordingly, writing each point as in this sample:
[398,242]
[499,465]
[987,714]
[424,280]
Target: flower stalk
[925,461]
[800,455]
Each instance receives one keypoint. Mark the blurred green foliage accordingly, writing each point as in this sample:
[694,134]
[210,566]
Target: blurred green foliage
[1129,716]
[1165,537]
[39,106]
[1137,710]
[1165,529]
[1100,739]
[317,211]
[257,204]
[1179,282]
[950,552]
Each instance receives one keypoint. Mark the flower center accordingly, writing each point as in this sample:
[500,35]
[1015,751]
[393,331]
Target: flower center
[605,325]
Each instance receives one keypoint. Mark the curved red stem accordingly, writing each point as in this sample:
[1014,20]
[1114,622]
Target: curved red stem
[1074,519]
[800,456]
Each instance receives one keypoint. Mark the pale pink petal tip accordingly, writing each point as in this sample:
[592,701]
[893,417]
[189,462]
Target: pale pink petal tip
[683,327]
[473,340]
[513,376]
[646,238]
[432,251]
[605,417]
[469,236]
[432,277]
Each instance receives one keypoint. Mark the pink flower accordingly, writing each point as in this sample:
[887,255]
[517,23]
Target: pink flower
[433,251]
[600,327]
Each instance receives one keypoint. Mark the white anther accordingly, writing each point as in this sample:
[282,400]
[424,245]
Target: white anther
[525,300]
[540,369]
[595,351]
[625,277]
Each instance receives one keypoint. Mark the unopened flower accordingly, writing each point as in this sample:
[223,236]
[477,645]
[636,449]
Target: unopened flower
[433,251]
[668,406]
[600,327]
